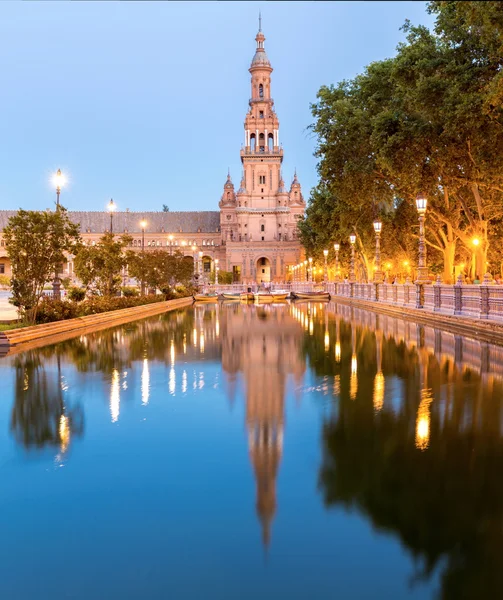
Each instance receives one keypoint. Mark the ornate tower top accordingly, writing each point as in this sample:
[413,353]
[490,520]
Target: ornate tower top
[260,60]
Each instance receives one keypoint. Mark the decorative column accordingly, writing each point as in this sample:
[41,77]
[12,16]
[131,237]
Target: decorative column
[352,278]
[337,270]
[377,269]
[422,270]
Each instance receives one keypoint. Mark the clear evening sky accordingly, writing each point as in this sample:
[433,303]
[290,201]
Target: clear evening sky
[144,102]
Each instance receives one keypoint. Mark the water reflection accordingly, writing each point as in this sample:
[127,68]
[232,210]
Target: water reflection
[412,417]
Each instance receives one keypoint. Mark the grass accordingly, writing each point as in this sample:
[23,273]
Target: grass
[7,326]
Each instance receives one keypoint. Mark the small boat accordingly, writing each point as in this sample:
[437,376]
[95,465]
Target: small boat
[206,297]
[311,295]
[263,297]
[246,297]
[228,296]
[280,295]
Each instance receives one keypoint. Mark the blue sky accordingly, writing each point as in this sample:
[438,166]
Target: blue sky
[144,102]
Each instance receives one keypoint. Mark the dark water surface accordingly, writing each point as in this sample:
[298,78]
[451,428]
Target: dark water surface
[241,452]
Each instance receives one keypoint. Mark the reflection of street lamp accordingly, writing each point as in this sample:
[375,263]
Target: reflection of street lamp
[143,224]
[352,240]
[422,271]
[325,269]
[112,207]
[58,181]
[337,273]
[377,270]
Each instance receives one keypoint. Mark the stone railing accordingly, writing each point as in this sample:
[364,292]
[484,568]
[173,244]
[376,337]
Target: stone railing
[484,301]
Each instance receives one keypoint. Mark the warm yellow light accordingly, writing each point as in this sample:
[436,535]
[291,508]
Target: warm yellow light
[115,396]
[325,252]
[184,243]
[170,238]
[423,421]
[58,179]
[327,341]
[475,241]
[216,261]
[462,266]
[405,263]
[337,247]
[337,351]
[378,391]
[143,224]
[64,433]
[388,265]
[145,383]
[200,254]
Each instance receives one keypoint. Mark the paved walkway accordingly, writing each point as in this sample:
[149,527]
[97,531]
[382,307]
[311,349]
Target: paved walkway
[7,311]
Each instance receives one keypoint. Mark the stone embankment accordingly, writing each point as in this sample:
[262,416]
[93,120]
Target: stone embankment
[18,340]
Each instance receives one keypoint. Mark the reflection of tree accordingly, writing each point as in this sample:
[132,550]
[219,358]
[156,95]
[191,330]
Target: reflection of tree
[39,416]
[445,503]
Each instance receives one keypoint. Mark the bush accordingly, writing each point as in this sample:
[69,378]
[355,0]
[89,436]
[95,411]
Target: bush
[4,281]
[50,310]
[130,292]
[76,294]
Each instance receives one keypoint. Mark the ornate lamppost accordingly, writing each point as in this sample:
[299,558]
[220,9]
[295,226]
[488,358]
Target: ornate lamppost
[59,181]
[325,268]
[377,268]
[112,207]
[194,260]
[199,263]
[337,271]
[143,224]
[310,269]
[422,270]
[352,278]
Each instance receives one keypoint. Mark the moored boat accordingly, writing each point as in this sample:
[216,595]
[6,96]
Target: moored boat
[246,297]
[229,296]
[206,297]
[311,295]
[280,295]
[263,297]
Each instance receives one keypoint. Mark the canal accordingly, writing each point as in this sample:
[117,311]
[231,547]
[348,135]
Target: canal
[229,451]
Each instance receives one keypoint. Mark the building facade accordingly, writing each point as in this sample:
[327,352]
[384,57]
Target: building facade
[253,235]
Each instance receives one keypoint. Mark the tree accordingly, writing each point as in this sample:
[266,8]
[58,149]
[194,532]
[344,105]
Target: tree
[425,120]
[160,270]
[165,208]
[100,266]
[36,243]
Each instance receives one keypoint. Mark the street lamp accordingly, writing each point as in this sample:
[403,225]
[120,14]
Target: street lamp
[170,238]
[422,270]
[59,181]
[194,260]
[377,270]
[143,225]
[216,271]
[112,207]
[337,274]
[199,263]
[305,271]
[325,269]
[310,269]
[352,240]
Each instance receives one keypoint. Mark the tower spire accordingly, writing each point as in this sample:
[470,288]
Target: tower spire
[259,21]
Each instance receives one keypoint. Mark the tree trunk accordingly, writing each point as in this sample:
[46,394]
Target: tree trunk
[449,253]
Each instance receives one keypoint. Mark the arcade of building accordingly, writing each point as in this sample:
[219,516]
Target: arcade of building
[253,235]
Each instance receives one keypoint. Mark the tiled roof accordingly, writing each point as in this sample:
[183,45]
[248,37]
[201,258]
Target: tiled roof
[157,222]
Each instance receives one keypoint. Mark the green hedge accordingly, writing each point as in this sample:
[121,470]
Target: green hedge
[50,310]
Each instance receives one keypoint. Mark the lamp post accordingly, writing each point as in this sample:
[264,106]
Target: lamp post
[422,270]
[377,269]
[143,224]
[199,263]
[216,271]
[325,269]
[59,180]
[194,259]
[112,207]
[352,240]
[305,271]
[310,269]
[337,272]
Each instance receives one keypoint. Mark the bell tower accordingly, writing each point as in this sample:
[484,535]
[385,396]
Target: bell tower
[261,155]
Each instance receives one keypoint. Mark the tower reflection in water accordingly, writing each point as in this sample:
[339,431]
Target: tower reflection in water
[264,345]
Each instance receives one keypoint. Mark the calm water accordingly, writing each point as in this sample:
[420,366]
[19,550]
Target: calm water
[224,452]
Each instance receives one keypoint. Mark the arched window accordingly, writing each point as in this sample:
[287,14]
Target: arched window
[252,142]
[261,142]
[270,142]
[228,195]
[261,91]
[262,227]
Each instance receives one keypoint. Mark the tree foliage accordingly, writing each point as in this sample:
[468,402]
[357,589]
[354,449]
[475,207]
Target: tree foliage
[428,119]
[99,267]
[160,270]
[36,243]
